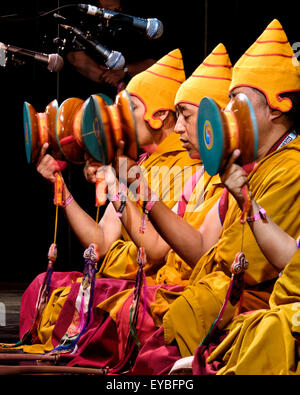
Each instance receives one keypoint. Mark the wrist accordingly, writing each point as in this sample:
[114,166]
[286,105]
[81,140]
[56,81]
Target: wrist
[116,192]
[150,203]
[67,201]
[119,197]
[257,213]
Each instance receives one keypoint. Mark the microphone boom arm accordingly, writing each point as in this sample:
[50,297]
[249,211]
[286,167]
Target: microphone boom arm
[113,59]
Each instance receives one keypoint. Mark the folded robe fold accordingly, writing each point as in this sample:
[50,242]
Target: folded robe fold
[276,331]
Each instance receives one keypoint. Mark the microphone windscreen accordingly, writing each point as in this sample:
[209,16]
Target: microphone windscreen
[155,28]
[55,62]
[115,61]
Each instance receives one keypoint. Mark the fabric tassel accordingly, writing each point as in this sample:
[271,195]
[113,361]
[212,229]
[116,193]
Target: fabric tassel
[133,342]
[134,308]
[234,292]
[73,334]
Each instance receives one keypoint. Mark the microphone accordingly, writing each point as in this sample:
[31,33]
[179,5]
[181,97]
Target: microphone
[113,59]
[151,27]
[53,61]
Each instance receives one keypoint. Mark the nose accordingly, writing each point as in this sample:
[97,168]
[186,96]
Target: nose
[179,127]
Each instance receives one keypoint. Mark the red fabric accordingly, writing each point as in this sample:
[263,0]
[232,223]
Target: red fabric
[223,205]
[98,345]
[62,165]
[155,357]
[29,298]
[200,365]
[104,342]
[147,327]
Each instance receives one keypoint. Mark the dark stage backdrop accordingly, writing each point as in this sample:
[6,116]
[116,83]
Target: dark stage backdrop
[27,209]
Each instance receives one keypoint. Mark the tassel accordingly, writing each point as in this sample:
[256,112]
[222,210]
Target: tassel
[130,348]
[234,292]
[70,340]
[140,280]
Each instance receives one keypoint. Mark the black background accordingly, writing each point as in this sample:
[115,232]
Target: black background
[27,209]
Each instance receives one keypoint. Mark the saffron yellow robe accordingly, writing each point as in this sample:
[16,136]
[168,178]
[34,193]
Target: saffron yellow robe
[266,342]
[274,184]
[204,196]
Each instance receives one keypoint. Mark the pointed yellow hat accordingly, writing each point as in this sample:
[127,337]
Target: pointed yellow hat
[212,78]
[157,86]
[270,66]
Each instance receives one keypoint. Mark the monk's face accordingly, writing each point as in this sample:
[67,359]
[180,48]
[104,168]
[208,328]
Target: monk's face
[186,126]
[144,131]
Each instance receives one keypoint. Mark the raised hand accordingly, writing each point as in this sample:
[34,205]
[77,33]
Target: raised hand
[234,178]
[47,166]
[90,170]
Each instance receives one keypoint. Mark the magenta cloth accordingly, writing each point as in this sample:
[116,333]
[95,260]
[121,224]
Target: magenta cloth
[62,165]
[29,298]
[143,157]
[146,328]
[200,365]
[155,357]
[97,345]
[104,342]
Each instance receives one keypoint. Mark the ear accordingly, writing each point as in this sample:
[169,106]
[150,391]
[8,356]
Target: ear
[161,114]
[275,114]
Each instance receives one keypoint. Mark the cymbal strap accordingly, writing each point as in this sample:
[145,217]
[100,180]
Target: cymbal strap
[67,140]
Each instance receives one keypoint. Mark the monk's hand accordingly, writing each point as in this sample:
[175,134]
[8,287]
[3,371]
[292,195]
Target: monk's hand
[127,170]
[90,169]
[47,166]
[107,176]
[234,178]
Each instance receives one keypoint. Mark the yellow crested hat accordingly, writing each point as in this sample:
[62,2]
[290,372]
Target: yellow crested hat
[270,66]
[212,78]
[157,86]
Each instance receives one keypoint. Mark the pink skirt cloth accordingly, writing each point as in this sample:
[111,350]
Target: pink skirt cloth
[103,342]
[29,298]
